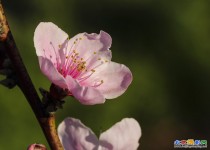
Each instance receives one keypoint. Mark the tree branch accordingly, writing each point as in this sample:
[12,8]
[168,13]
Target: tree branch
[46,120]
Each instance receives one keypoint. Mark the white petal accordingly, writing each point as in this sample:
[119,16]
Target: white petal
[115,77]
[124,135]
[90,47]
[49,70]
[74,135]
[47,38]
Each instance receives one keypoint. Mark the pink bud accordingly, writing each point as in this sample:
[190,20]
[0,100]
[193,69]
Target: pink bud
[37,147]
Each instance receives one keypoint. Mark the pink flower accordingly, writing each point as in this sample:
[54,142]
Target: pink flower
[124,135]
[82,64]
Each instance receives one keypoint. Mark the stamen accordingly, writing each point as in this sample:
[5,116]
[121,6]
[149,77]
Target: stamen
[98,83]
[81,66]
[53,49]
[44,52]
[75,65]
[98,65]
[86,77]
[55,54]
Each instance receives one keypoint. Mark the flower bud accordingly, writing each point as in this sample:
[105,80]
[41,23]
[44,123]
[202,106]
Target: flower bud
[37,147]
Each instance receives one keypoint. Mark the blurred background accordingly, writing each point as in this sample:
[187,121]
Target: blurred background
[166,44]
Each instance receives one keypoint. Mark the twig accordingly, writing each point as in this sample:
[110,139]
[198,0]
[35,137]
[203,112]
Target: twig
[46,121]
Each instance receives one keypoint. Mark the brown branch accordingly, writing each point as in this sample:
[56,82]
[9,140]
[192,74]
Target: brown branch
[46,121]
[48,124]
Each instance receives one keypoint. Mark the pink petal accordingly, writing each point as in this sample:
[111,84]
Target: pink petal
[116,79]
[92,45]
[124,135]
[51,72]
[85,95]
[74,135]
[103,37]
[47,38]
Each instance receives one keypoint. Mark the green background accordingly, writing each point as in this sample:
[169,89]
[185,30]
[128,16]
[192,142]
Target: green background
[166,44]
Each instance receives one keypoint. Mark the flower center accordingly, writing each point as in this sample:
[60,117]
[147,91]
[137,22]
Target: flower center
[74,65]
[81,66]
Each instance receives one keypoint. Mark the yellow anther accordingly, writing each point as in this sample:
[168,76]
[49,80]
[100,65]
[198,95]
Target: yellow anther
[59,46]
[102,81]
[81,58]
[80,38]
[94,52]
[99,58]
[92,70]
[106,61]
[81,66]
